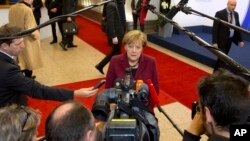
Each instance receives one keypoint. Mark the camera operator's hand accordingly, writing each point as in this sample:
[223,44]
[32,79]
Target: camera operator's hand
[85,92]
[112,106]
[197,127]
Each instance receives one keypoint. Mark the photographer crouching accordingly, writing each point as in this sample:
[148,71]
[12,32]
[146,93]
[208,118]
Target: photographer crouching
[223,102]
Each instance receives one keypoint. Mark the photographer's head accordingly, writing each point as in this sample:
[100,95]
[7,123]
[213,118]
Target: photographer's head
[223,101]
[11,46]
[18,123]
[70,121]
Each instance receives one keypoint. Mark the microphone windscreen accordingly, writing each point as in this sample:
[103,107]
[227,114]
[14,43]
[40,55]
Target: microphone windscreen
[154,101]
[138,84]
[143,91]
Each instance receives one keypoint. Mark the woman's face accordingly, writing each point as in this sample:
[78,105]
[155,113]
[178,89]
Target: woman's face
[134,50]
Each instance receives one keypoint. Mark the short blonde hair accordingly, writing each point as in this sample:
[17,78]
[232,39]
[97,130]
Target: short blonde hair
[134,35]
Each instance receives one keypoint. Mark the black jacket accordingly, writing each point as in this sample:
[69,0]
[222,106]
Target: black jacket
[37,5]
[190,137]
[221,32]
[54,4]
[14,86]
[114,25]
[69,6]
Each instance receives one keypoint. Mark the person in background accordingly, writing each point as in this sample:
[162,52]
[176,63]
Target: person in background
[143,66]
[136,11]
[115,32]
[223,36]
[36,6]
[21,15]
[70,120]
[18,123]
[15,87]
[54,8]
[68,6]
[144,11]
[121,9]
[223,101]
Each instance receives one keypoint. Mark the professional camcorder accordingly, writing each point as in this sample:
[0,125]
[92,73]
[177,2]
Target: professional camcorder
[131,120]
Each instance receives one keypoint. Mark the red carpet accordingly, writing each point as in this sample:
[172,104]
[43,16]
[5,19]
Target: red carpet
[177,78]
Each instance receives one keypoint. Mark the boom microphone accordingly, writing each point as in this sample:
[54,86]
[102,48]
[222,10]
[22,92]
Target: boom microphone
[155,102]
[173,11]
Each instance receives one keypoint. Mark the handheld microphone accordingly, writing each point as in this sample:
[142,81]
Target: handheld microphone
[173,11]
[138,84]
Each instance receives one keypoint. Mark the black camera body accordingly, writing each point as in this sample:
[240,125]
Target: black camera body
[195,105]
[130,121]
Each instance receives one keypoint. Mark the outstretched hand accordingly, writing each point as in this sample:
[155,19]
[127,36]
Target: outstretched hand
[85,92]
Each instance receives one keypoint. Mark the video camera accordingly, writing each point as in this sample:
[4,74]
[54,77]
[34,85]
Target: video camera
[131,120]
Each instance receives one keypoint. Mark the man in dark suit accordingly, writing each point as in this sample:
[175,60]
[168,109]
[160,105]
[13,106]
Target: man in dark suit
[115,32]
[68,6]
[14,86]
[223,36]
[54,8]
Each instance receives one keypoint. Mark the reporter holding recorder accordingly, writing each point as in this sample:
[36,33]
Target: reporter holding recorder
[15,87]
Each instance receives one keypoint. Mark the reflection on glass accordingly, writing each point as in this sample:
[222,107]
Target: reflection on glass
[90,2]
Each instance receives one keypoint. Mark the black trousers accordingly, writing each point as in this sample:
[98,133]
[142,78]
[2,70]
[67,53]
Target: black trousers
[135,21]
[37,20]
[53,28]
[67,39]
[225,49]
[116,49]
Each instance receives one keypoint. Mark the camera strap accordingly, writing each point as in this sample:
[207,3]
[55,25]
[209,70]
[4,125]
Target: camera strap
[127,109]
[140,105]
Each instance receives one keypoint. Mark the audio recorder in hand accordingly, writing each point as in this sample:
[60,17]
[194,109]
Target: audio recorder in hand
[99,84]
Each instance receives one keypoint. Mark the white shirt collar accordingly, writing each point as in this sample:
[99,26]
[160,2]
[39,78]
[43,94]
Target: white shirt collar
[12,57]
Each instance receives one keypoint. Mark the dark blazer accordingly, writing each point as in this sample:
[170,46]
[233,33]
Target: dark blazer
[14,85]
[37,4]
[114,26]
[220,33]
[54,4]
[69,6]
[147,69]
